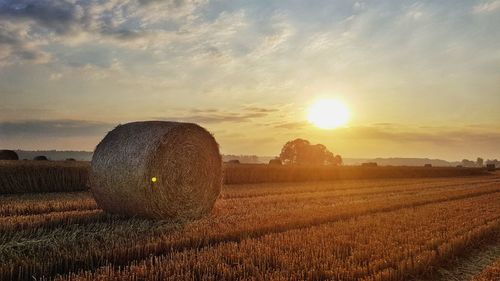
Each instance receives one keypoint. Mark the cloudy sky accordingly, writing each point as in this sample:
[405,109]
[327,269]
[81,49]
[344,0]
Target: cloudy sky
[421,78]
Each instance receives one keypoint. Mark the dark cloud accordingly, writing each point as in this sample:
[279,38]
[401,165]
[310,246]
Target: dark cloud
[291,125]
[64,17]
[59,16]
[176,4]
[211,115]
[8,37]
[385,124]
[17,48]
[399,133]
[122,34]
[27,25]
[38,23]
[219,117]
[53,128]
[261,109]
[438,136]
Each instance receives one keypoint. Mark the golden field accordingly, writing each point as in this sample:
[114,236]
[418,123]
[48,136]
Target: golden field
[355,229]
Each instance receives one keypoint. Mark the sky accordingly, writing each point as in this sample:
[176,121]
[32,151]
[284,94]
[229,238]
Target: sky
[420,78]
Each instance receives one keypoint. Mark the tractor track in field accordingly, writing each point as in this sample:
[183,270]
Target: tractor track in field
[468,265]
[424,185]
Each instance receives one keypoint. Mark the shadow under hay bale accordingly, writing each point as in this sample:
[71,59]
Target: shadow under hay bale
[8,155]
[156,169]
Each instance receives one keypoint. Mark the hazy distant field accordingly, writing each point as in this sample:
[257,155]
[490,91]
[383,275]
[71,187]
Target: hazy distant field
[374,229]
[58,176]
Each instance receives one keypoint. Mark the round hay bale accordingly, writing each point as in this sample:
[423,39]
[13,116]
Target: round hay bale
[41,158]
[8,155]
[155,169]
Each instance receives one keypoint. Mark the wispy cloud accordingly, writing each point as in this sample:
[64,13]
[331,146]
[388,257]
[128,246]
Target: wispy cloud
[436,135]
[236,61]
[487,7]
[69,22]
[290,125]
[212,115]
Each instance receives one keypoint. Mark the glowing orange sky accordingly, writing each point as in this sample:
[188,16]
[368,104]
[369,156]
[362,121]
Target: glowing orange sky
[421,79]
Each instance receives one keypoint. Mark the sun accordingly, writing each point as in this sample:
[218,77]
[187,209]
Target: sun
[328,114]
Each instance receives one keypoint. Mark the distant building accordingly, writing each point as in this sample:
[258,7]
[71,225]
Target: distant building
[491,167]
[428,165]
[233,161]
[369,164]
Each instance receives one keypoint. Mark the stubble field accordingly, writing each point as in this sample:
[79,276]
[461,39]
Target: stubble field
[373,229]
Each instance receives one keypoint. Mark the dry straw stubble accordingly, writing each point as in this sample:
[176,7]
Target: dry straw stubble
[156,169]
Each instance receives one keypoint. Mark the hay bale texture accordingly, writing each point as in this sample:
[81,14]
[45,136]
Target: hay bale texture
[8,155]
[155,169]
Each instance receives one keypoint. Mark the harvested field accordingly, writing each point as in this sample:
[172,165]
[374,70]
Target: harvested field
[377,229]
[60,176]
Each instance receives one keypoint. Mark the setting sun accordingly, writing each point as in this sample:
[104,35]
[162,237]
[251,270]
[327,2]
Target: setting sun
[328,114]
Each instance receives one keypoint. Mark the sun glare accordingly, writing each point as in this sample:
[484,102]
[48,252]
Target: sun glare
[328,114]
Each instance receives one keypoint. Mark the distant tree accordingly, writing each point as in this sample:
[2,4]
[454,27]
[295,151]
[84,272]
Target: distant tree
[480,162]
[275,161]
[338,160]
[468,163]
[292,152]
[300,151]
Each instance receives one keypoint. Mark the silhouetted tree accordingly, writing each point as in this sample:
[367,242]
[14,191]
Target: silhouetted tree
[275,161]
[468,163]
[338,160]
[300,151]
[480,162]
[293,151]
